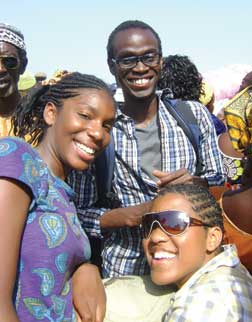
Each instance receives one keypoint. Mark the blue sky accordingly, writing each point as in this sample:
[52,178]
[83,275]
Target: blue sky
[73,34]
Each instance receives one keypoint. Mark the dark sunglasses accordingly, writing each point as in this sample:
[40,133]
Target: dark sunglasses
[9,62]
[149,59]
[172,222]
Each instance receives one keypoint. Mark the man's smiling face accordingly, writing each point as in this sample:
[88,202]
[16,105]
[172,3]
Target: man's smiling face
[139,81]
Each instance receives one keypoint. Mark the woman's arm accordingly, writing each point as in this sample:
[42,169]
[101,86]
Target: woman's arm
[15,199]
[89,296]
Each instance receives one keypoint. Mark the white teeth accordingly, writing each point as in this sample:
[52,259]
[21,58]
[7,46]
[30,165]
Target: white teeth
[85,148]
[141,81]
[163,255]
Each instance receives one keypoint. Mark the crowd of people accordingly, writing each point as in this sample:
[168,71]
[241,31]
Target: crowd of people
[92,187]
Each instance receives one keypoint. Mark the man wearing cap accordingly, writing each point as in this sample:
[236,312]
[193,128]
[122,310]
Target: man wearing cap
[13,61]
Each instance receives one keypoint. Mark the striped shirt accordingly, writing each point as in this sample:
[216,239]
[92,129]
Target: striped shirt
[220,291]
[123,254]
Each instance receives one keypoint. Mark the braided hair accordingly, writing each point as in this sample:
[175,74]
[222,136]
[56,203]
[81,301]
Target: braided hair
[28,118]
[181,75]
[129,24]
[203,203]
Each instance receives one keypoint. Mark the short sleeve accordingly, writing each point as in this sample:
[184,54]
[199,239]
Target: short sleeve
[19,161]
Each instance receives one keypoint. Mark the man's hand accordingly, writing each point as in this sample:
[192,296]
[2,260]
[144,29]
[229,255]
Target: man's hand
[124,217]
[179,176]
[89,298]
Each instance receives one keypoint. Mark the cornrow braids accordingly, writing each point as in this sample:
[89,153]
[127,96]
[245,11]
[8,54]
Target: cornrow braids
[129,24]
[28,120]
[181,75]
[203,203]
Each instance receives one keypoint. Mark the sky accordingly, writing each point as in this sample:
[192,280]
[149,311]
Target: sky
[72,34]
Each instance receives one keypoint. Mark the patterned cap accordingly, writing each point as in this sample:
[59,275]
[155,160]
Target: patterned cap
[12,36]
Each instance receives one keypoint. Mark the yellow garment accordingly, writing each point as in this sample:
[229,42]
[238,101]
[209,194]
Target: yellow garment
[207,94]
[238,115]
[5,126]
[57,76]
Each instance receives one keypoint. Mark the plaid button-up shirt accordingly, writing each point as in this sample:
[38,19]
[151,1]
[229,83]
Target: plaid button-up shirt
[123,254]
[220,291]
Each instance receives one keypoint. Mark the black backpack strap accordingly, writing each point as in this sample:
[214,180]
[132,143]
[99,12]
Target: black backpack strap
[104,165]
[185,118]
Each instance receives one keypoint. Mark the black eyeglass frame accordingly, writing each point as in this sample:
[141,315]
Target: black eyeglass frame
[7,64]
[136,59]
[190,222]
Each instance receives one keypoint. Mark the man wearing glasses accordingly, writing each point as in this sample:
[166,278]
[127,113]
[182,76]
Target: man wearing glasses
[13,62]
[151,151]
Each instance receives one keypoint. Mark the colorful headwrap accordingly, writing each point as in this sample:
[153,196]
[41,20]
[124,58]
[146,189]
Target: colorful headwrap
[238,115]
[12,36]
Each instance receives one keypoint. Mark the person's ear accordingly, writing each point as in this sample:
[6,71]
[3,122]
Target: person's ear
[50,112]
[23,65]
[161,63]
[214,238]
[111,67]
[161,67]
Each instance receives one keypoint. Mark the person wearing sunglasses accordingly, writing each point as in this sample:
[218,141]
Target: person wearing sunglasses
[151,150]
[183,243]
[13,62]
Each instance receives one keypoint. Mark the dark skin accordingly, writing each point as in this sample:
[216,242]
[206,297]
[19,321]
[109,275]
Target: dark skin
[139,85]
[226,146]
[9,95]
[237,203]
[87,119]
[247,81]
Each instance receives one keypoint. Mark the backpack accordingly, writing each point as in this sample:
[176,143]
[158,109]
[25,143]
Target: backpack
[104,163]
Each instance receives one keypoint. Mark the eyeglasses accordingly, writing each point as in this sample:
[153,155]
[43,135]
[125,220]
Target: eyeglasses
[150,59]
[172,222]
[9,62]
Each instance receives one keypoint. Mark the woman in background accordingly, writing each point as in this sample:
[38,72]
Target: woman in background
[236,203]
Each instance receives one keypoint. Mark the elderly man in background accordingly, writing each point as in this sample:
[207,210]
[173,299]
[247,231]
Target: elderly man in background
[13,61]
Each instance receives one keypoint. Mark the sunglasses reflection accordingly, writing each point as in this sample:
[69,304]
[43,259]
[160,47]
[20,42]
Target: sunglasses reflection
[171,222]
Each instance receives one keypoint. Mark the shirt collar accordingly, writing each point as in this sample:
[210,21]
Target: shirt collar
[228,257]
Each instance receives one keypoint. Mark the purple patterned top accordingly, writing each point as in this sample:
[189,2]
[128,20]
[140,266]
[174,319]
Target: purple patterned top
[53,244]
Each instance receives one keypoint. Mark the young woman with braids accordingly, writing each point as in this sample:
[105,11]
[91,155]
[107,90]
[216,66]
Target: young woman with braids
[183,236]
[44,253]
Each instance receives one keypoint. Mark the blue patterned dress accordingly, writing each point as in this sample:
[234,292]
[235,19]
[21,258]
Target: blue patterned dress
[53,244]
